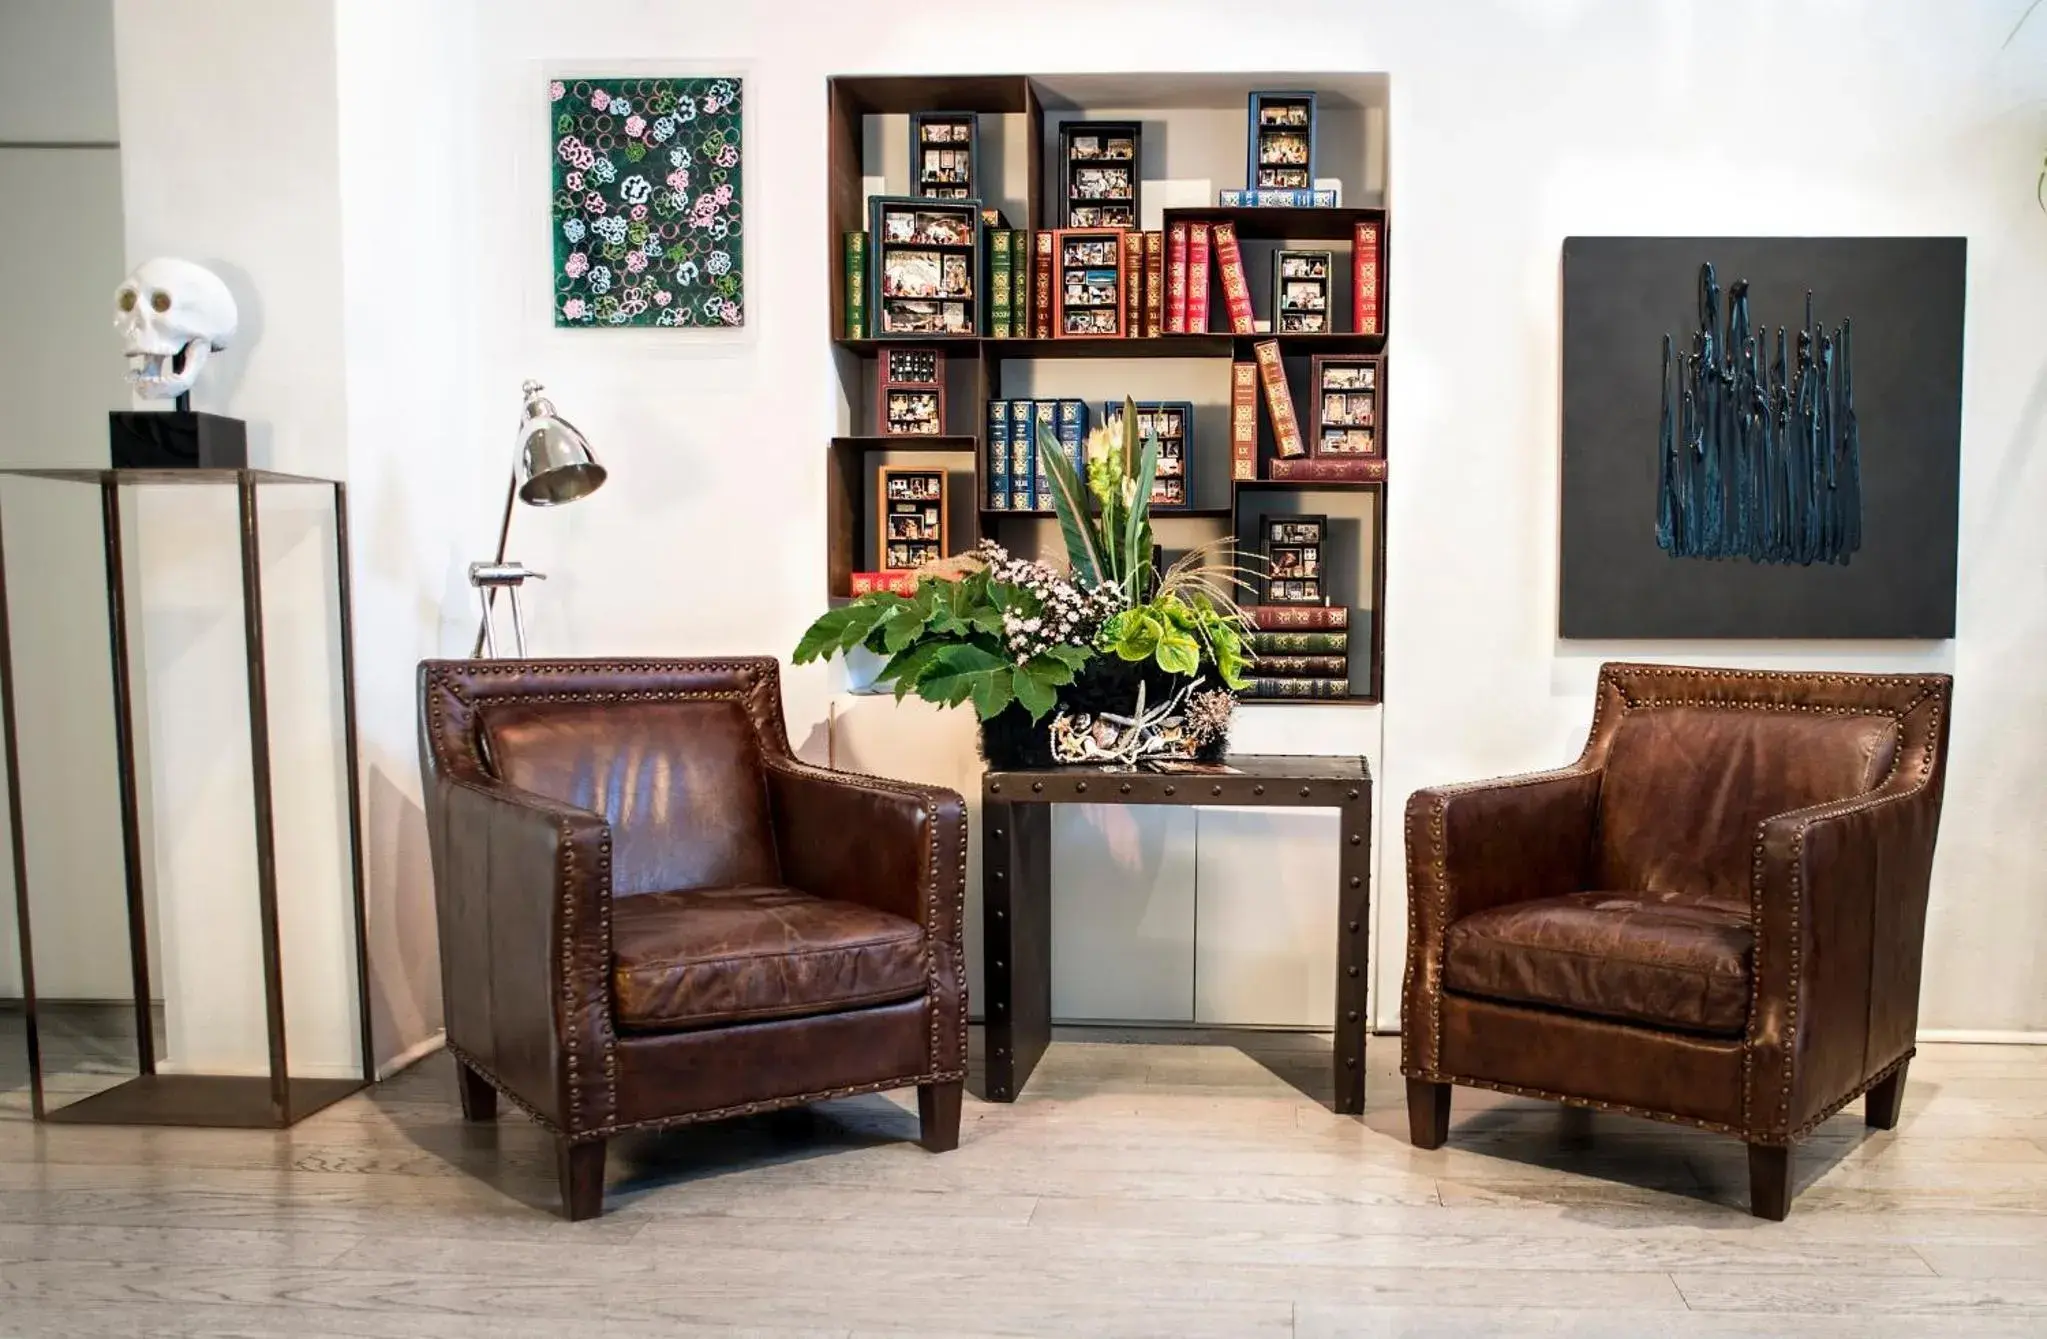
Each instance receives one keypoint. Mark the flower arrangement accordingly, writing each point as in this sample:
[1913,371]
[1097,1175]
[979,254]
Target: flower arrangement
[1131,662]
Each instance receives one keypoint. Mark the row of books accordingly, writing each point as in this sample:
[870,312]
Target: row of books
[1292,460]
[1303,651]
[1196,249]
[1016,479]
[1077,282]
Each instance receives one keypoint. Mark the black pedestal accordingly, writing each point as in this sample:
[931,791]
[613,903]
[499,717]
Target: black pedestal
[177,439]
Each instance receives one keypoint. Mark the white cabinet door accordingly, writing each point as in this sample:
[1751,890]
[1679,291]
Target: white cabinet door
[1265,918]
[1123,913]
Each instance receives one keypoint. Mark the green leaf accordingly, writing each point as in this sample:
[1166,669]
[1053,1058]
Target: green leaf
[907,669]
[843,628]
[1137,534]
[1036,696]
[1178,652]
[1069,499]
[1136,633]
[903,625]
[993,693]
[960,670]
[1047,671]
[1073,657]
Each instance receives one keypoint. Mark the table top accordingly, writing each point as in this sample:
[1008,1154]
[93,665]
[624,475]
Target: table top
[179,476]
[1307,779]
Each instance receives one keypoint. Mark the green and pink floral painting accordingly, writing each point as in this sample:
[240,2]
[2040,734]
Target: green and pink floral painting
[646,202]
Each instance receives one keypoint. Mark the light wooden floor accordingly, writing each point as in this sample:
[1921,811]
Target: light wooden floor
[1137,1189]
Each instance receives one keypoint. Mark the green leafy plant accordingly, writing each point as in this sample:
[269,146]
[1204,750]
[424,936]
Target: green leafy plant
[994,630]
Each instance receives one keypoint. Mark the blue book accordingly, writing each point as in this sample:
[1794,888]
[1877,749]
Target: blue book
[1073,434]
[1045,423]
[1023,457]
[998,455]
[1276,199]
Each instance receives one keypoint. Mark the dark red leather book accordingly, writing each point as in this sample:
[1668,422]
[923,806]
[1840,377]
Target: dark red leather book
[1236,292]
[1176,280]
[1364,469]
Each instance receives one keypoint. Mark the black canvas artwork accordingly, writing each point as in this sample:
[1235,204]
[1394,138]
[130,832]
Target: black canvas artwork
[1760,476]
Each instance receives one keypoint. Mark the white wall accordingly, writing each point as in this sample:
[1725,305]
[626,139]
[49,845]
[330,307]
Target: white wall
[60,371]
[231,158]
[1513,124]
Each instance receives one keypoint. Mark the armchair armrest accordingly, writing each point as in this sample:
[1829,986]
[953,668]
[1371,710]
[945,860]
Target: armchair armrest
[1484,845]
[891,845]
[525,906]
[1474,847]
[1840,915]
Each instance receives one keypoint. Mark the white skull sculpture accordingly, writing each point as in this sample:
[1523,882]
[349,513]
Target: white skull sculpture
[171,315]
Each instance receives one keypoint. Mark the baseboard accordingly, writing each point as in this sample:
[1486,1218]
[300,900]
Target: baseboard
[298,1070]
[1978,1037]
[412,1055]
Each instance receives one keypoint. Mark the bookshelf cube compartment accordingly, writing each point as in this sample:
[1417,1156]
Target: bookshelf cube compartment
[1282,142]
[1172,422]
[1303,287]
[1345,393]
[1090,283]
[910,393]
[910,506]
[1098,166]
[945,155]
[925,268]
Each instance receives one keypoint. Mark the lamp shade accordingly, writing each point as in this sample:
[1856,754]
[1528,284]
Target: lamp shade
[556,464]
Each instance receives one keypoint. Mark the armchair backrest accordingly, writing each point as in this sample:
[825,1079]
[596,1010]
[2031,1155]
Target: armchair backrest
[1694,760]
[670,753]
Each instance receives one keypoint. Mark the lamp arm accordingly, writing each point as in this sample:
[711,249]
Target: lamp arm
[504,533]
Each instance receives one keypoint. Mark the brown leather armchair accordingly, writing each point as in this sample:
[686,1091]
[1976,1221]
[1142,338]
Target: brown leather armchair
[651,914]
[1713,917]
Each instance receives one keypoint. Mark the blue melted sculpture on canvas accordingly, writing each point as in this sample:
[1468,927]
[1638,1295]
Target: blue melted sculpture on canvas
[1762,463]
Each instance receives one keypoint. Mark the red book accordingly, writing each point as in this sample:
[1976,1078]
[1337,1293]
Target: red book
[1154,282]
[1236,292]
[1279,401]
[1176,281]
[1243,420]
[1197,278]
[1366,275]
[1041,275]
[895,583]
[1369,469]
[1133,284]
[1275,617]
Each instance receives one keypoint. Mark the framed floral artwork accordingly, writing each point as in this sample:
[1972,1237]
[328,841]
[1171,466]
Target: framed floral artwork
[646,202]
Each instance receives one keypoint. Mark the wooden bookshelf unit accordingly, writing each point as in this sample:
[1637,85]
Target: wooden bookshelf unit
[1020,134]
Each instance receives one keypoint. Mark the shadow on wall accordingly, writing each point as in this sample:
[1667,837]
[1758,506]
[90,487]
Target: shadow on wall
[405,973]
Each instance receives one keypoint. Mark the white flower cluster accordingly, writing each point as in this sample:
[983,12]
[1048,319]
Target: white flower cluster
[1068,613]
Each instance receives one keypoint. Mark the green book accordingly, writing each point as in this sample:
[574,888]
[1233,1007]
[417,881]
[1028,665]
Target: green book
[999,282]
[1020,282]
[856,285]
[1300,643]
[1269,687]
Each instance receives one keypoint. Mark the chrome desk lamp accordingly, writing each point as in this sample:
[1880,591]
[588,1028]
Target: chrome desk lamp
[555,466]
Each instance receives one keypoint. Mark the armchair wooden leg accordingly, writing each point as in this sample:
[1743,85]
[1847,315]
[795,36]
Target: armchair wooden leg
[581,1167]
[1428,1113]
[938,1115]
[1881,1106]
[1769,1181]
[479,1099]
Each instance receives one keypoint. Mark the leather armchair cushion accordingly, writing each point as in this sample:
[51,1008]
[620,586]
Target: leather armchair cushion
[1669,960]
[1686,787]
[713,956]
[680,782]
